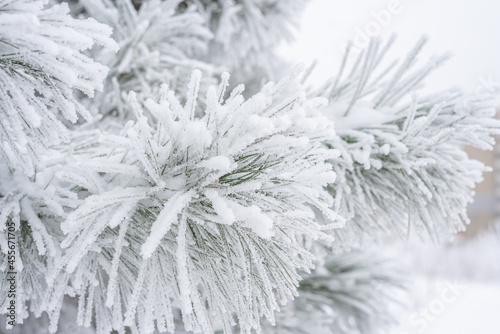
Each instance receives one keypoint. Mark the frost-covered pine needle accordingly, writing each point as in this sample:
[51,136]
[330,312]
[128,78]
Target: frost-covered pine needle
[402,167]
[221,203]
[42,65]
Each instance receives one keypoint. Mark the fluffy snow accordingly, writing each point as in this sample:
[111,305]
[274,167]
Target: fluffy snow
[220,163]
[254,219]
[166,218]
[361,115]
[220,206]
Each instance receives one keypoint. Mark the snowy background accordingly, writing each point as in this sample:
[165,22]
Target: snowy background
[469,30]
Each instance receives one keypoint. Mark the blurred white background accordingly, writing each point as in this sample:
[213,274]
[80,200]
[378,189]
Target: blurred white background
[470,30]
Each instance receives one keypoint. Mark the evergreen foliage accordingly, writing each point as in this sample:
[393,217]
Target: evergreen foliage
[156,198]
[402,167]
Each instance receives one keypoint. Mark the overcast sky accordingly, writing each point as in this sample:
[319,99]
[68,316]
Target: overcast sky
[469,29]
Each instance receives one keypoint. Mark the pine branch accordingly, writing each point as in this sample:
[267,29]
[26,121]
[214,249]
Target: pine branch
[41,65]
[402,167]
[157,45]
[201,210]
[246,35]
[351,293]
[31,211]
